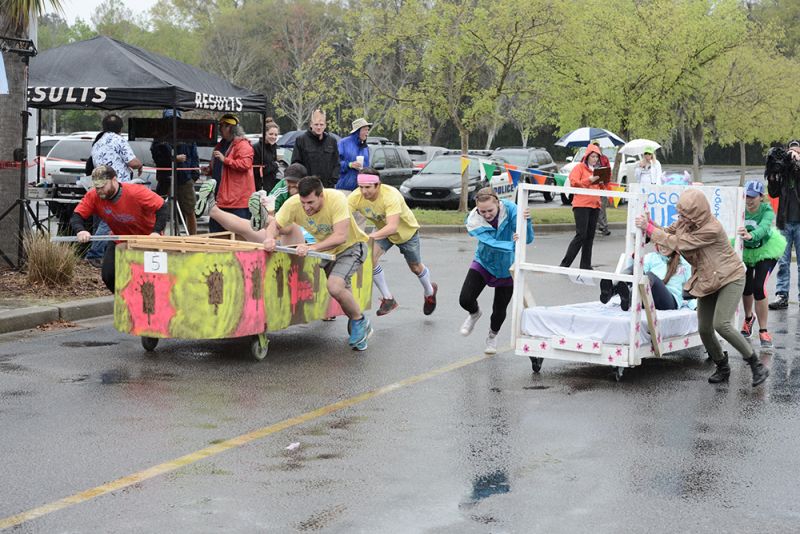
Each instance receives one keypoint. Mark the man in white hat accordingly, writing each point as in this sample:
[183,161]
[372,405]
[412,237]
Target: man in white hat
[353,154]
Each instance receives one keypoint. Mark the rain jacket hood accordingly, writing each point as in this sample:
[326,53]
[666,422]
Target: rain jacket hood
[694,209]
[592,149]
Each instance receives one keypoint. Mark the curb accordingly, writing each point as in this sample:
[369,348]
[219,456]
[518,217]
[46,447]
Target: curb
[76,310]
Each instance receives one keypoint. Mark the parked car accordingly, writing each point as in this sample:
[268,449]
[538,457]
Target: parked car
[392,162]
[66,162]
[373,140]
[438,184]
[47,142]
[624,175]
[421,154]
[530,158]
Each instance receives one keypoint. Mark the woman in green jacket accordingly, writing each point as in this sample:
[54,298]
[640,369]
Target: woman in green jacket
[763,246]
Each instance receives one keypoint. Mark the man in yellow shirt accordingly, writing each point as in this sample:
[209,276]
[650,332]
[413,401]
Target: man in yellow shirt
[385,207]
[325,215]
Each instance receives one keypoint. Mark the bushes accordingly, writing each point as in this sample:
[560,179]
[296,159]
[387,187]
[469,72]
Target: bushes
[48,263]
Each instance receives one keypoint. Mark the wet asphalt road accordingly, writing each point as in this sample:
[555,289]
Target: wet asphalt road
[485,447]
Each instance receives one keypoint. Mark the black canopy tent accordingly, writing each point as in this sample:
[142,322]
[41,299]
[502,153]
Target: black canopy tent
[103,73]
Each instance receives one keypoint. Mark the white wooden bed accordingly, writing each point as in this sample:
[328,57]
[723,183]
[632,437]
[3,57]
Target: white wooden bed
[592,332]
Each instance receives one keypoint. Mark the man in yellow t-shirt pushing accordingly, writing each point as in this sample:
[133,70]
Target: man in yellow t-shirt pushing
[385,207]
[325,215]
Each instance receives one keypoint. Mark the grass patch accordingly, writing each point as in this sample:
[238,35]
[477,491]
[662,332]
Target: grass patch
[560,215]
[50,264]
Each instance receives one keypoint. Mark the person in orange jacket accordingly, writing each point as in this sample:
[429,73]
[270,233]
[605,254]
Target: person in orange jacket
[231,171]
[585,208]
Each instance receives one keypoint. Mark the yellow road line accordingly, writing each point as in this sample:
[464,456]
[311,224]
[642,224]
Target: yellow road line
[223,446]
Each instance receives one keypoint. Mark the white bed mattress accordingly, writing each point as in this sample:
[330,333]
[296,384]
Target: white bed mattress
[602,322]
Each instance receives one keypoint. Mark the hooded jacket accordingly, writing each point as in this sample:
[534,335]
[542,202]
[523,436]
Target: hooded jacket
[702,241]
[319,156]
[349,148]
[581,175]
[495,250]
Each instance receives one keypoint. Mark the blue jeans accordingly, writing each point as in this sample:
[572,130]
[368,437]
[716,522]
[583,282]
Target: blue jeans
[791,232]
[98,248]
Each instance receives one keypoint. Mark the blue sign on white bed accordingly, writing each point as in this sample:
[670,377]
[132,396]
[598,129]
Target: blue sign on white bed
[662,201]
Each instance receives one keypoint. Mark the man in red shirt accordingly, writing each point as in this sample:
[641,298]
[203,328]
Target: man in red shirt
[128,209]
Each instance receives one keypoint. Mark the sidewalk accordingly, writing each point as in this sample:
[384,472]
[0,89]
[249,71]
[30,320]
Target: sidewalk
[21,314]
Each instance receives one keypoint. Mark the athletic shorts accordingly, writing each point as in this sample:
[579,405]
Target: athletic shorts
[346,263]
[410,249]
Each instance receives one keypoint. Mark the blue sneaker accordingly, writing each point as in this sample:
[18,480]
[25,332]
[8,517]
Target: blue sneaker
[361,345]
[360,331]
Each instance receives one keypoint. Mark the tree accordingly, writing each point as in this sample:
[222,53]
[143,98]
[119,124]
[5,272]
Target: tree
[15,17]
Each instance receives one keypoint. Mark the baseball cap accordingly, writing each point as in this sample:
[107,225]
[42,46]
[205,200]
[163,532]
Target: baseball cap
[229,118]
[101,175]
[295,172]
[754,188]
[650,150]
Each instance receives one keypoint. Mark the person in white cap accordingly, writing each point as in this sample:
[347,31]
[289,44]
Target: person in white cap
[395,225]
[353,154]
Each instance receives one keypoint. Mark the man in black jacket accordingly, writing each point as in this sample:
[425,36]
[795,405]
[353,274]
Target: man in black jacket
[783,182]
[317,151]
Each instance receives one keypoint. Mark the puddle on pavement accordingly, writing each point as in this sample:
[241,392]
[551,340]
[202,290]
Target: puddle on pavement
[123,376]
[83,344]
[536,387]
[15,393]
[322,519]
[493,483]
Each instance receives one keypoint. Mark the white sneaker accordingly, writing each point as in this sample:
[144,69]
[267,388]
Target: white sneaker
[469,323]
[491,344]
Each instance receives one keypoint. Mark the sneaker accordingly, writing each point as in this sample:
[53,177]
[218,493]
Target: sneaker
[781,303]
[766,339]
[430,301]
[360,331]
[205,198]
[361,345]
[747,327]
[258,213]
[624,293]
[491,343]
[469,323]
[387,305]
[606,290]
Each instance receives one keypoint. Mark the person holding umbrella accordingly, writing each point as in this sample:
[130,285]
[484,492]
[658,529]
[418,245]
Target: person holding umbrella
[648,170]
[585,208]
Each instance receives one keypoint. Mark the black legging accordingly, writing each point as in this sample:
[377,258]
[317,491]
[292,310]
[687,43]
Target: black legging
[756,279]
[472,288]
[585,226]
[108,269]
[662,298]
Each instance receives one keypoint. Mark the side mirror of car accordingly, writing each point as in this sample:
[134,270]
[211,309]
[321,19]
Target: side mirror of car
[415,170]
[569,158]
[497,171]
[630,160]
[378,166]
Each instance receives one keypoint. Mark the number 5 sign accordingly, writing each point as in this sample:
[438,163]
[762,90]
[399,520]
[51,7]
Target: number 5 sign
[155,262]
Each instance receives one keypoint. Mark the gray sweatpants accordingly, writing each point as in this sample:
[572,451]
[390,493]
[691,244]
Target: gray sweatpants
[715,313]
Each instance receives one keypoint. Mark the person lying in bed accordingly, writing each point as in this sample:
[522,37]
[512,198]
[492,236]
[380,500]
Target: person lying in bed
[667,272]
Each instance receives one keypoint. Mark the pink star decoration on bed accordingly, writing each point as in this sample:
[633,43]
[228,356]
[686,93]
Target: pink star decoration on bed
[543,345]
[636,344]
[670,345]
[658,339]
[526,348]
[638,307]
[562,341]
[686,342]
[638,327]
[595,345]
[579,346]
[611,358]
[619,352]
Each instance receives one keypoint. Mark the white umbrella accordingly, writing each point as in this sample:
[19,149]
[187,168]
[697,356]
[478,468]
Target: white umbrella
[582,137]
[637,146]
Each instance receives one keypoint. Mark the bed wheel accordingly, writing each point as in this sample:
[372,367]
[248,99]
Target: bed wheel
[149,343]
[259,346]
[618,373]
[536,364]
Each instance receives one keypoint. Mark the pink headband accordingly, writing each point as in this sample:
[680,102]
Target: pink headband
[364,179]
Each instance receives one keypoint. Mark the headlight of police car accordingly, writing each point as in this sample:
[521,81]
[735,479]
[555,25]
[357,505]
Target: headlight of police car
[457,190]
[404,188]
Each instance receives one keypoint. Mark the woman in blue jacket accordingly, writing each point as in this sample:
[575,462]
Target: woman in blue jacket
[493,222]
[350,148]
